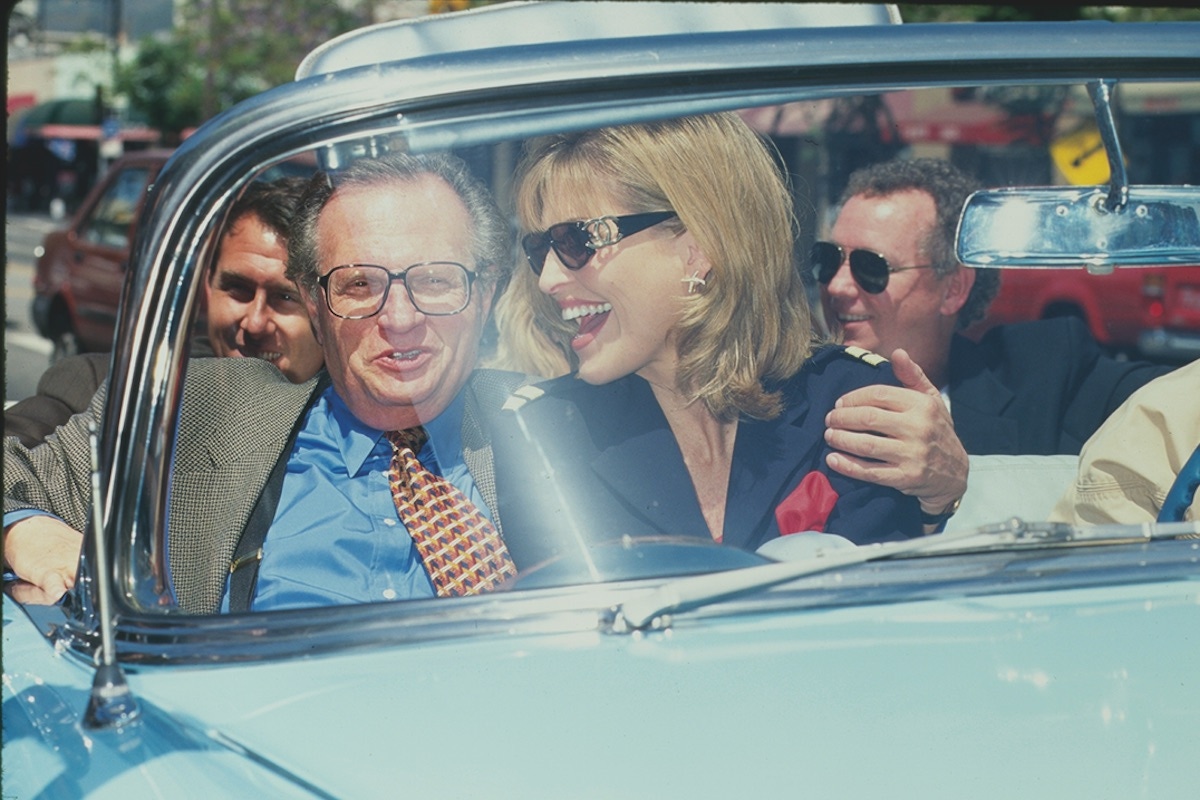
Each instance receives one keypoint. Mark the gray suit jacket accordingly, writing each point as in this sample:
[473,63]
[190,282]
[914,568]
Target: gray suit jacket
[235,419]
[66,389]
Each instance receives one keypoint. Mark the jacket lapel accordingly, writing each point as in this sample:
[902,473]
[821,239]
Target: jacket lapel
[977,402]
[486,392]
[645,469]
[641,462]
[769,459]
[247,554]
[235,422]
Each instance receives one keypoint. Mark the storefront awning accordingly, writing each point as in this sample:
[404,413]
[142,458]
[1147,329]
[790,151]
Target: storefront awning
[92,133]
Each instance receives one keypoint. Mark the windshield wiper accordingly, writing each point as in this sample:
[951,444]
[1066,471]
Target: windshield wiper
[694,592]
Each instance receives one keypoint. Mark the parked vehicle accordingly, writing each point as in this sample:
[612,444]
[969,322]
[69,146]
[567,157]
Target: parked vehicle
[1004,658]
[1152,312]
[81,268]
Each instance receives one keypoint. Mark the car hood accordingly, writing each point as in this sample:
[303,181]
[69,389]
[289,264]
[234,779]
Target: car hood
[1067,693]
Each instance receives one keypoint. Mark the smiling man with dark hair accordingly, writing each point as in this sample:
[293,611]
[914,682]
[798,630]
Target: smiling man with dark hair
[253,310]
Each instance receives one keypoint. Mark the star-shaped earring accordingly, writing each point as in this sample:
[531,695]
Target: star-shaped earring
[694,282]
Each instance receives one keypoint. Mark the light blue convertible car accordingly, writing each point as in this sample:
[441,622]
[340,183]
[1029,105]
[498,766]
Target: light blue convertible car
[1003,657]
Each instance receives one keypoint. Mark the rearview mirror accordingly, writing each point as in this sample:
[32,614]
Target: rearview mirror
[1073,227]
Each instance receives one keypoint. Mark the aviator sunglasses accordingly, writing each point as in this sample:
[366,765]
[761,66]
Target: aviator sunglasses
[576,242]
[870,270]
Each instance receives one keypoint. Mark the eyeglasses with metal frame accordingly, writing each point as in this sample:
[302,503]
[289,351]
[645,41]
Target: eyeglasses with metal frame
[870,270]
[435,288]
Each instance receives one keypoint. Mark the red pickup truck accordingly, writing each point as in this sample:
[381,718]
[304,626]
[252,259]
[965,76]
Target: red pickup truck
[1153,312]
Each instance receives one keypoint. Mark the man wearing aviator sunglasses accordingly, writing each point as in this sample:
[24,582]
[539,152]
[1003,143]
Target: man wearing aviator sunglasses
[870,270]
[889,281]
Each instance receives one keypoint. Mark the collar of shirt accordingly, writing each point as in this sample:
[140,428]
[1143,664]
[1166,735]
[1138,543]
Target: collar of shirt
[442,452]
[333,538]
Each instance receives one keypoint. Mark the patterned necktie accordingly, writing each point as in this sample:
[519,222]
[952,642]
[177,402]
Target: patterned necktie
[462,551]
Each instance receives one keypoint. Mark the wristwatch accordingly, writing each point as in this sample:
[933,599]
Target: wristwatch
[939,519]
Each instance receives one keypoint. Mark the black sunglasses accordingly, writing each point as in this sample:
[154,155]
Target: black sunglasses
[576,242]
[870,270]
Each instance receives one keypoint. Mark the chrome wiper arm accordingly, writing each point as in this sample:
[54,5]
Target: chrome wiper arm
[700,590]
[1018,534]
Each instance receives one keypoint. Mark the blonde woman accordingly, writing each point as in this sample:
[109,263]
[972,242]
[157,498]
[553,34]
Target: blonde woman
[662,277]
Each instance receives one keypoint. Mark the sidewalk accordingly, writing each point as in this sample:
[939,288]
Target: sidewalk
[40,221]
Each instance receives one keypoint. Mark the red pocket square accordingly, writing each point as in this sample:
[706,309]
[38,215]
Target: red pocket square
[808,507]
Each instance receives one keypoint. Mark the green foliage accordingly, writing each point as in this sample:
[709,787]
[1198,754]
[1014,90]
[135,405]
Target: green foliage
[1139,14]
[225,51]
[164,86]
[88,44]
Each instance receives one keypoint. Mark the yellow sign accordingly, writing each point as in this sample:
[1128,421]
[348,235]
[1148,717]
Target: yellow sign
[1081,158]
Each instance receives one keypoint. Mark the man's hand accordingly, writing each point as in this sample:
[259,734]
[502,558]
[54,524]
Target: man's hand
[899,437]
[44,553]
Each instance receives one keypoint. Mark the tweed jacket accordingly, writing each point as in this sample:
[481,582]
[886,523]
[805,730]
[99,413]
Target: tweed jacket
[66,389]
[235,420]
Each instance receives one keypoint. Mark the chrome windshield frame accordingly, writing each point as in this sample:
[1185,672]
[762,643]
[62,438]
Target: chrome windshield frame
[498,94]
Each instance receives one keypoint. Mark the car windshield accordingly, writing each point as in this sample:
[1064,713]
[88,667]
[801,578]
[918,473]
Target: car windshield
[572,330]
[584,306]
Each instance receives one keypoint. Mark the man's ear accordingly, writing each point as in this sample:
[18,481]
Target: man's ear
[487,295]
[208,290]
[313,310]
[956,287]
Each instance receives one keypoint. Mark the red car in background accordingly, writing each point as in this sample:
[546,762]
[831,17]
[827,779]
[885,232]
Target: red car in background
[81,268]
[1163,325]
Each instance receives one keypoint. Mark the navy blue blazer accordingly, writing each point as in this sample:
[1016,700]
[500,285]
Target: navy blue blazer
[1037,388]
[607,465]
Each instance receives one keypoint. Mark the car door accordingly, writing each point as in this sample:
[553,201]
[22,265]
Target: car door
[100,251]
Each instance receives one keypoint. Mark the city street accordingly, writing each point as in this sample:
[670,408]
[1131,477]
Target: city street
[26,354]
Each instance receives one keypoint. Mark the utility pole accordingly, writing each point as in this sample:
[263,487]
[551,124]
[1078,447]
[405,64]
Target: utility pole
[110,146]
[209,103]
[115,28]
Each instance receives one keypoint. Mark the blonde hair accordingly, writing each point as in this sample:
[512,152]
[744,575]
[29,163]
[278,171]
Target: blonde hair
[750,325]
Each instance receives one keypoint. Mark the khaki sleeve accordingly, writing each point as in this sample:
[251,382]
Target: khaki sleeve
[1127,467]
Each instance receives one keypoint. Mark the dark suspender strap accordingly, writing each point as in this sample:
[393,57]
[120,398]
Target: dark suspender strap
[243,569]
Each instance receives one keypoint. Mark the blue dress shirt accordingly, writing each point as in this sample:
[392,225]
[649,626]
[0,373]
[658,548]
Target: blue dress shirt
[336,537]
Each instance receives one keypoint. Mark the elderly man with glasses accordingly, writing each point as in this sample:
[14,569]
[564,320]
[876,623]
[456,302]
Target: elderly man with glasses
[398,259]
